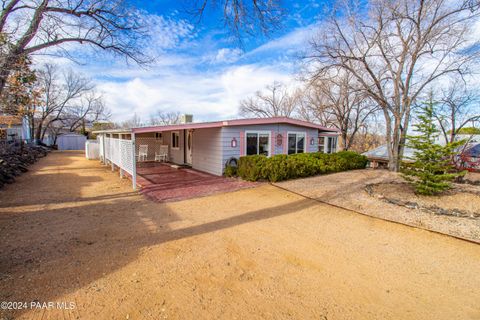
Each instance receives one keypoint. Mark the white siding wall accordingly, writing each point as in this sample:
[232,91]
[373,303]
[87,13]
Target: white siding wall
[207,151]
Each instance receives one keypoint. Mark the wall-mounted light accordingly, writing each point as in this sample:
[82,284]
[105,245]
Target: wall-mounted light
[233,143]
[312,141]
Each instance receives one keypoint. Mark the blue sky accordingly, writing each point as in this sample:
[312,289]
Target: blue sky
[200,68]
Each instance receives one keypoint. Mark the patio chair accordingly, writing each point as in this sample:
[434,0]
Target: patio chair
[162,156]
[142,152]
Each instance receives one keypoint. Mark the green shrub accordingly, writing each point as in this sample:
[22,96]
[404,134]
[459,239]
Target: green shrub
[230,171]
[251,167]
[276,169]
[284,167]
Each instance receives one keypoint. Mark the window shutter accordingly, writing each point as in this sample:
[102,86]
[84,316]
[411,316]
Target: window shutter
[272,143]
[242,143]
[307,143]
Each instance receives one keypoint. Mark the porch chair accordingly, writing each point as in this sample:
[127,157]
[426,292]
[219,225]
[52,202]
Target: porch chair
[142,152]
[162,156]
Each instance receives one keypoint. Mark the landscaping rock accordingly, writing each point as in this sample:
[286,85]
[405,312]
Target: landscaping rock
[15,159]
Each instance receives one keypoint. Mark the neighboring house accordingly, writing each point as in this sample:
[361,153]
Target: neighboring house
[467,157]
[12,128]
[208,146]
[378,157]
[472,138]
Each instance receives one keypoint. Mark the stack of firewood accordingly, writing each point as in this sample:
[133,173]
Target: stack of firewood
[15,159]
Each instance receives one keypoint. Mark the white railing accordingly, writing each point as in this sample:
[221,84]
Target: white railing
[120,152]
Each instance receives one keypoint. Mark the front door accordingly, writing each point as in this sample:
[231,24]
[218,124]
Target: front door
[188,156]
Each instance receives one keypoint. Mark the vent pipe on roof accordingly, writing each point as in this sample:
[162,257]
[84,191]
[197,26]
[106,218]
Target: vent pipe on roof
[186,118]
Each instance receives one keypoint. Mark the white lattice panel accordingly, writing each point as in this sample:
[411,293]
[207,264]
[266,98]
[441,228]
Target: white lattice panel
[126,156]
[120,152]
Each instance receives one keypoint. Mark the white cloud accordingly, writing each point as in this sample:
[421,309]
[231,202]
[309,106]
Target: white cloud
[227,55]
[207,96]
[292,41]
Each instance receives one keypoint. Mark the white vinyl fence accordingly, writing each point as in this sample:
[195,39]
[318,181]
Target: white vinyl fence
[92,149]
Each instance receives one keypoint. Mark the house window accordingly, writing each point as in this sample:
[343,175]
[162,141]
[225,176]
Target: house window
[321,144]
[296,142]
[327,144]
[175,140]
[332,144]
[158,136]
[257,143]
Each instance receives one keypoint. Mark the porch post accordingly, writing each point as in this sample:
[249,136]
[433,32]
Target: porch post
[111,161]
[134,163]
[104,160]
[120,169]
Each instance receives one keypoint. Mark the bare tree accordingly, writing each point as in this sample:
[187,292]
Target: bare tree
[245,16]
[337,101]
[369,136]
[134,122]
[396,51]
[274,101]
[89,109]
[162,118]
[34,26]
[457,108]
[28,27]
[60,91]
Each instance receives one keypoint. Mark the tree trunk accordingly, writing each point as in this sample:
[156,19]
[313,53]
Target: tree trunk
[344,140]
[31,121]
[389,141]
[38,132]
[394,163]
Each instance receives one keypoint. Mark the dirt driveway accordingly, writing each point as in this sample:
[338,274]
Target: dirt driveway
[71,231]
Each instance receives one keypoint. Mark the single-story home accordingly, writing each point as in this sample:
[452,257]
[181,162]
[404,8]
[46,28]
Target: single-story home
[209,146]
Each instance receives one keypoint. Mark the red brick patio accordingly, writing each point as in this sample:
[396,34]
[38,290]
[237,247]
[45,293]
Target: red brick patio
[161,182]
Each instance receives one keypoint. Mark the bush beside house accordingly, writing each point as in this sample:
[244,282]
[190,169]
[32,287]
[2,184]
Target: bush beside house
[284,167]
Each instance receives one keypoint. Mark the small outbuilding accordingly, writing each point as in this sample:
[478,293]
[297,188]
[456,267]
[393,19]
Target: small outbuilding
[71,141]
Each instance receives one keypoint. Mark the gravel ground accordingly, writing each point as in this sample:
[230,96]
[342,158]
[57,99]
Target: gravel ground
[72,231]
[347,189]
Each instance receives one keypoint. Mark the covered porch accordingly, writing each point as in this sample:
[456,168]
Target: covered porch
[128,151]
[162,182]
[135,156]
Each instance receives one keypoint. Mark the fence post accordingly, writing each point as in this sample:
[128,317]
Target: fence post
[104,160]
[134,163]
[120,136]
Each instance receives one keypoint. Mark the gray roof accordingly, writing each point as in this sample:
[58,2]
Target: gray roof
[382,153]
